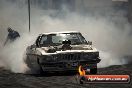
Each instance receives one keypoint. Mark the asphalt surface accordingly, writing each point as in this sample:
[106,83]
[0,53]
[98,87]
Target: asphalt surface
[15,80]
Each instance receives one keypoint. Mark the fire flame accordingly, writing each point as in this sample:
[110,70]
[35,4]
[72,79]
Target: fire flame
[81,71]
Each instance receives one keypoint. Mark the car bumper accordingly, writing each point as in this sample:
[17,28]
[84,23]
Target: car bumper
[68,66]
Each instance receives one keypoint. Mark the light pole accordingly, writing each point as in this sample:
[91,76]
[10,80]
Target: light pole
[29,13]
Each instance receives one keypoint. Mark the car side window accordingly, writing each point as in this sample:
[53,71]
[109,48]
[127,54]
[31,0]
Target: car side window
[43,40]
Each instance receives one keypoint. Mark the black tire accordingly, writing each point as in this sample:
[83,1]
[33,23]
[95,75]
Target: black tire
[35,71]
[93,71]
[39,70]
[82,79]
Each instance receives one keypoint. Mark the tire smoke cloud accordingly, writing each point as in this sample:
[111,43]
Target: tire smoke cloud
[111,35]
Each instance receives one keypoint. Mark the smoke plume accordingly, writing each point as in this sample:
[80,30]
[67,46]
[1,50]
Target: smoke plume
[111,35]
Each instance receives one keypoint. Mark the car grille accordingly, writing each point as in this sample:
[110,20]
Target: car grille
[70,56]
[76,56]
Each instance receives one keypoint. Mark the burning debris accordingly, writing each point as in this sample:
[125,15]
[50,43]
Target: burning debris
[81,71]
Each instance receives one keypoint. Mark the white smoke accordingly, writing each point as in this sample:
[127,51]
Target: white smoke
[109,36]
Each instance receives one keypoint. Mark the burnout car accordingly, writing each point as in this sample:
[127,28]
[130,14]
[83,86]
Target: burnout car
[61,51]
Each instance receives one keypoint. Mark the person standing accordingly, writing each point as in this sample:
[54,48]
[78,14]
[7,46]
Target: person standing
[12,35]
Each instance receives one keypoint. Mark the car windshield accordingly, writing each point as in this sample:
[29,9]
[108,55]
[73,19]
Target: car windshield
[56,39]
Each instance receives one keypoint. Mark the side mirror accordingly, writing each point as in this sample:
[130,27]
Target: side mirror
[33,46]
[89,42]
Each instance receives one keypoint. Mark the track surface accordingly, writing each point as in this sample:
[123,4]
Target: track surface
[13,80]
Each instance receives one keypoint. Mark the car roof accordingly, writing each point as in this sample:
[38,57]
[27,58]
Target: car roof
[60,32]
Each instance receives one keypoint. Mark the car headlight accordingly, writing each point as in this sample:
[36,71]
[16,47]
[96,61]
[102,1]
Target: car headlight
[96,54]
[85,56]
[91,55]
[50,58]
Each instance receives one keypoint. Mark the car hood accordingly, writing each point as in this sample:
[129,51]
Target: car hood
[74,49]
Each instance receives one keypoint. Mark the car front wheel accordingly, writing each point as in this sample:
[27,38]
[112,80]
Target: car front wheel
[93,70]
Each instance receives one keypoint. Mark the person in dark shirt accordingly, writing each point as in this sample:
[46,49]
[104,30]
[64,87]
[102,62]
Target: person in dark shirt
[12,35]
